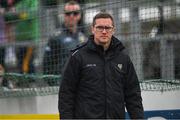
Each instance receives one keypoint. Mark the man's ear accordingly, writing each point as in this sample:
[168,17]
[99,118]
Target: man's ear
[113,31]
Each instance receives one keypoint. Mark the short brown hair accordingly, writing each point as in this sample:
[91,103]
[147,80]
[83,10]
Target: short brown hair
[72,2]
[102,15]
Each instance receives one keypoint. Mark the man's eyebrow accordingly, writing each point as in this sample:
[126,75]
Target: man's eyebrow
[72,10]
[103,26]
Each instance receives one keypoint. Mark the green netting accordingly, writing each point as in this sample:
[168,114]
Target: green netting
[40,88]
[29,85]
[160,85]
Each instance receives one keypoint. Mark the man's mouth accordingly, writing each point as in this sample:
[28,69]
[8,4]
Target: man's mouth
[103,36]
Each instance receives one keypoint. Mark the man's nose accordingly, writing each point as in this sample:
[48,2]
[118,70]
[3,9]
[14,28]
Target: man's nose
[104,31]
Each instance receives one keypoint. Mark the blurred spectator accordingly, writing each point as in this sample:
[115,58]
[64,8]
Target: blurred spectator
[81,24]
[10,34]
[27,29]
[2,39]
[2,35]
[68,37]
[9,18]
[6,33]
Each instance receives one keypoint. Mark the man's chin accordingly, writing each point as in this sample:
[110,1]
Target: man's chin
[103,42]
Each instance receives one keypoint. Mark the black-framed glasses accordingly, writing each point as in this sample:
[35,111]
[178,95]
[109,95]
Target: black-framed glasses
[75,13]
[102,28]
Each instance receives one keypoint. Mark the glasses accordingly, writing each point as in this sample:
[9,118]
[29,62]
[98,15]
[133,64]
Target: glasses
[74,13]
[102,28]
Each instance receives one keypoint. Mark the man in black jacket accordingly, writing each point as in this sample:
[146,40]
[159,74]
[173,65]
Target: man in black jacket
[99,80]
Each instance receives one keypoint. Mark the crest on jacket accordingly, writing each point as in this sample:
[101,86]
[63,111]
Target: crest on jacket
[119,66]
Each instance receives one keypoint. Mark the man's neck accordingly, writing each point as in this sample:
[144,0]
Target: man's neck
[105,46]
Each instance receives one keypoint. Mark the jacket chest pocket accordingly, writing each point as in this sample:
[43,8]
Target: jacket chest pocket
[92,72]
[118,72]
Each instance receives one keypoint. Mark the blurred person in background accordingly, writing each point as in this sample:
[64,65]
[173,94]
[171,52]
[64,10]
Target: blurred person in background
[6,34]
[82,26]
[67,38]
[2,35]
[99,80]
[27,30]
[2,40]
[9,18]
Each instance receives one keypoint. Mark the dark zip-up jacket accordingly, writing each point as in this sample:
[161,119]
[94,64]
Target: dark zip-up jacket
[98,84]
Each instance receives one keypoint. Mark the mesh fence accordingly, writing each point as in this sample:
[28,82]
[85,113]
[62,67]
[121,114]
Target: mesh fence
[149,29]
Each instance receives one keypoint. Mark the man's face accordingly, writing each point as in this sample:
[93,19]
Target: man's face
[72,15]
[103,31]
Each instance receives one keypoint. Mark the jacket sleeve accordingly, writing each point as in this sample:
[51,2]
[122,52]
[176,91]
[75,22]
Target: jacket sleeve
[68,89]
[46,59]
[133,99]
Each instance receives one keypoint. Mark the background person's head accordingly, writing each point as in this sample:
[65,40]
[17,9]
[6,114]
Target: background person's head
[72,14]
[103,28]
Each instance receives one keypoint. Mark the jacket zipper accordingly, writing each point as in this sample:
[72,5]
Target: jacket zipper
[104,57]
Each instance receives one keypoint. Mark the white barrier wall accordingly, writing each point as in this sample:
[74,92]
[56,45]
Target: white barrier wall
[161,100]
[49,104]
[29,105]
